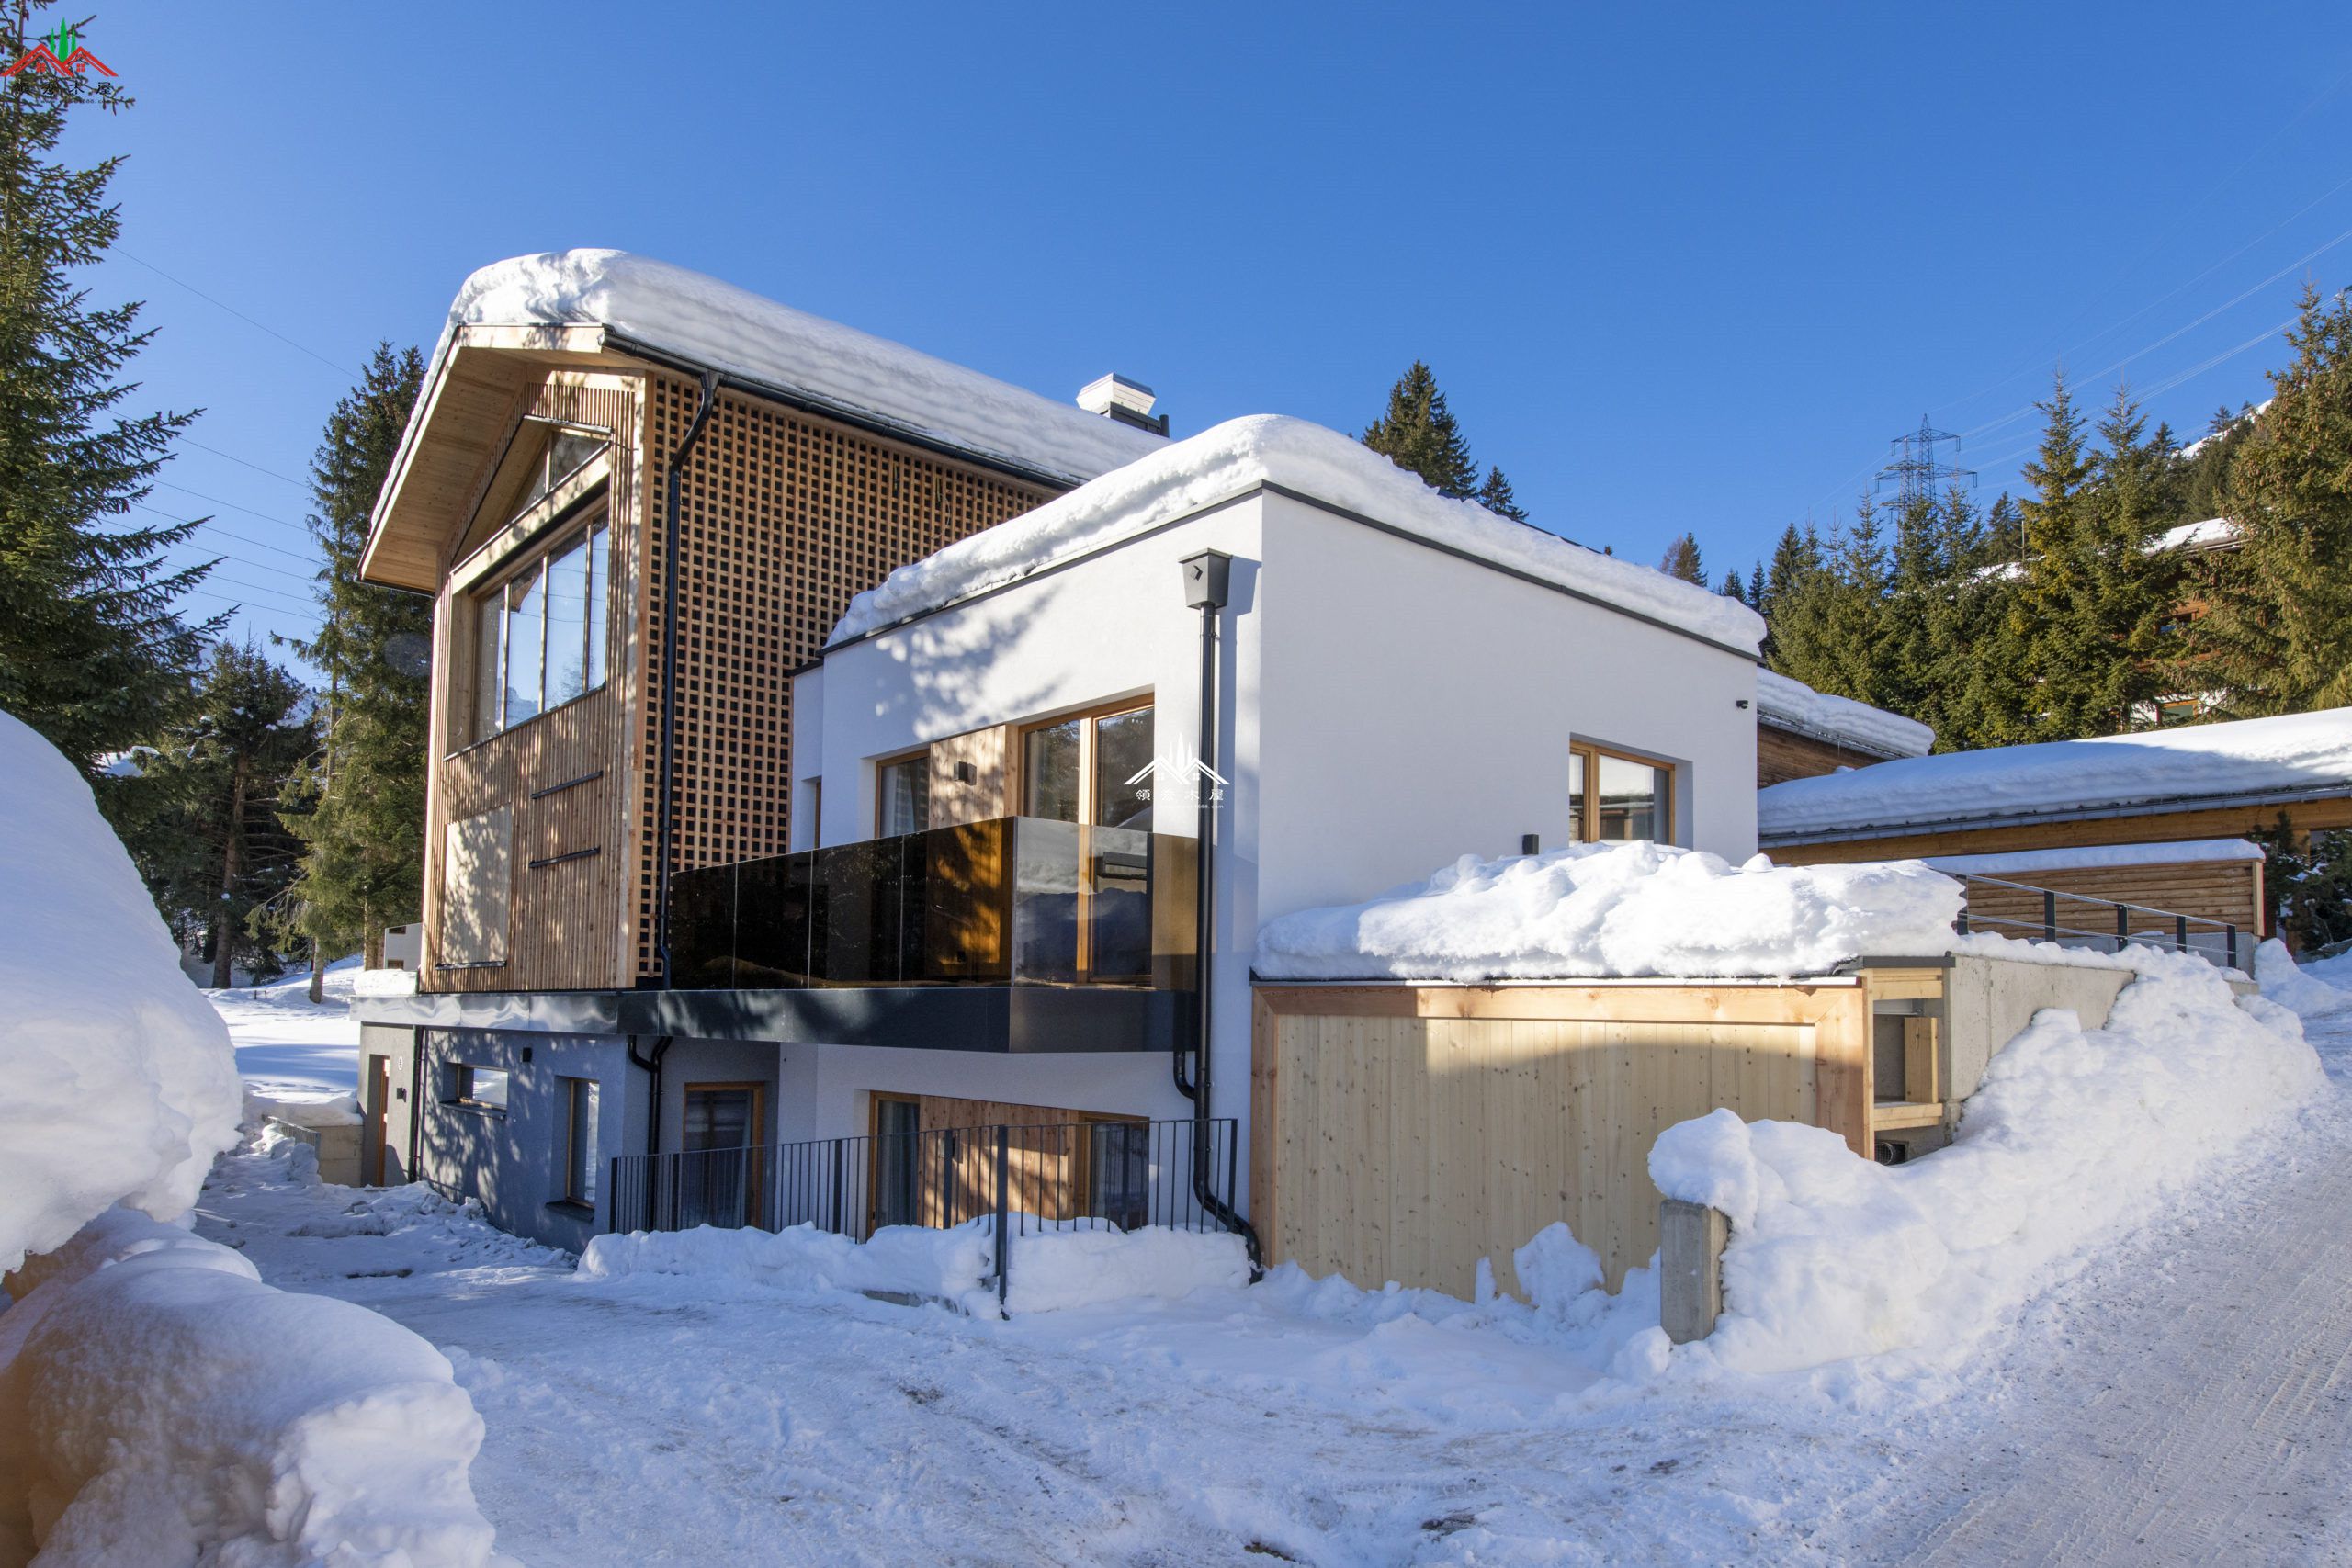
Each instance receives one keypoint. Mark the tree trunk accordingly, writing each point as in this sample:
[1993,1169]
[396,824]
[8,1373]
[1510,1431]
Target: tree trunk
[224,945]
[318,971]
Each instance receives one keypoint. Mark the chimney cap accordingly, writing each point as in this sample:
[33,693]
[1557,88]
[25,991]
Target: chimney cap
[1105,393]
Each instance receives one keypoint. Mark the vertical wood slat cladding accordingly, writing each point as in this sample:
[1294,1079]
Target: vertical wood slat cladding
[781,518]
[570,921]
[2229,891]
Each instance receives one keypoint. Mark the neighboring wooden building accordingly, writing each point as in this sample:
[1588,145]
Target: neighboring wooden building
[2088,817]
[1802,733]
[579,406]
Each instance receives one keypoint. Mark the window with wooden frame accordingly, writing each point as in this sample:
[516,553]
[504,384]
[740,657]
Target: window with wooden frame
[478,1088]
[1082,911]
[581,1157]
[1614,798]
[563,453]
[1082,768]
[902,794]
[540,630]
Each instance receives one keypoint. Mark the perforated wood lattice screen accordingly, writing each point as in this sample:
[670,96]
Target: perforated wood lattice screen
[781,518]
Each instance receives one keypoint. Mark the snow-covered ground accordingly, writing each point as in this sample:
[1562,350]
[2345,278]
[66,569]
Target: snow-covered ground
[2182,1398]
[288,1046]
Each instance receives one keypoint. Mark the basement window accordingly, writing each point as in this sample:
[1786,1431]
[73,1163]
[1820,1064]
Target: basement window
[540,633]
[483,1089]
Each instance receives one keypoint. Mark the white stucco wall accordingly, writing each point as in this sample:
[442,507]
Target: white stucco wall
[1386,707]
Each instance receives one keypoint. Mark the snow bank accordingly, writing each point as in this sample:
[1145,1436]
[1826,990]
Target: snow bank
[1795,705]
[1594,911]
[2307,993]
[117,1080]
[873,379]
[160,1404]
[1049,1269]
[2271,756]
[1226,460]
[2078,1135]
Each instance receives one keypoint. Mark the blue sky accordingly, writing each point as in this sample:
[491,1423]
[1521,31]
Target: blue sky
[1676,267]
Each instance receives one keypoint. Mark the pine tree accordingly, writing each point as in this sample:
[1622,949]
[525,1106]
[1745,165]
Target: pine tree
[2091,602]
[1830,619]
[1681,559]
[93,652]
[1496,496]
[2278,635]
[1731,587]
[207,793]
[1419,433]
[359,806]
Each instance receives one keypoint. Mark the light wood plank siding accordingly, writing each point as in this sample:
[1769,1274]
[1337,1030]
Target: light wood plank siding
[1404,1133]
[2229,891]
[570,923]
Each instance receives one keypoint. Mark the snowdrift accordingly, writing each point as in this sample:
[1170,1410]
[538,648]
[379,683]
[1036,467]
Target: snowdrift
[2076,1137]
[1594,911]
[1049,1270]
[117,1080]
[160,1404]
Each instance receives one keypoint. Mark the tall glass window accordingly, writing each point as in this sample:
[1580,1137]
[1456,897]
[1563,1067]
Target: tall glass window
[904,786]
[1050,775]
[541,636]
[1122,750]
[581,1157]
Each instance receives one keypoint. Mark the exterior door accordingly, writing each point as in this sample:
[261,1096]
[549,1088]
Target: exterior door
[371,1134]
[896,1174]
[718,1165]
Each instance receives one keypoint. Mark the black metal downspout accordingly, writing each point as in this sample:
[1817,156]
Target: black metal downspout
[666,826]
[1204,943]
[652,1066]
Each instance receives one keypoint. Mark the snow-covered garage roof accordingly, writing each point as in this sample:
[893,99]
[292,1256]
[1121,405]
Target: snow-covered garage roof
[719,326]
[2254,760]
[1792,704]
[1242,455]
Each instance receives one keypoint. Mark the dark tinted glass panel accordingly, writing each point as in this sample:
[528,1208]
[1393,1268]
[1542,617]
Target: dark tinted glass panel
[701,928]
[1121,751]
[1118,904]
[1044,902]
[1049,778]
[895,1147]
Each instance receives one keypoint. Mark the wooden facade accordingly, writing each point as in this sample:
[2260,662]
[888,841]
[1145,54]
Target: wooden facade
[1785,754]
[2227,891]
[1407,1131]
[784,516]
[2060,831]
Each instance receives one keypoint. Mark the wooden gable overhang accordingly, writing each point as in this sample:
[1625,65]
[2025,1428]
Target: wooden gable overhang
[482,383]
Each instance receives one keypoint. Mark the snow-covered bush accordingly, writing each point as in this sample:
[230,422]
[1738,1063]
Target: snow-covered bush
[160,1404]
[2077,1137]
[1610,910]
[116,1079]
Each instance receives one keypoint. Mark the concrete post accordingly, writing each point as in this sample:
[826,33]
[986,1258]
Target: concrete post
[1691,1241]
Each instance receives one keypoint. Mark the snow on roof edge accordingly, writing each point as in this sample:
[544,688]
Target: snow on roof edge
[712,322]
[1839,718]
[2281,755]
[2094,857]
[1230,459]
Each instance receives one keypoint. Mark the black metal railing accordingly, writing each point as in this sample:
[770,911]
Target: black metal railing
[1017,900]
[1015,1179]
[2078,919]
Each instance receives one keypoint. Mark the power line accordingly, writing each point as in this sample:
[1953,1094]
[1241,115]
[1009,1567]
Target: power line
[212,528]
[259,326]
[256,467]
[234,506]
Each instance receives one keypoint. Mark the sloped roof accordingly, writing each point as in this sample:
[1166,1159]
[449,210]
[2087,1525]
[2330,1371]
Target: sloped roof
[720,326]
[2255,758]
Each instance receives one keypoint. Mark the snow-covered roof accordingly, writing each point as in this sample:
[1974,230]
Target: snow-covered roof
[1231,459]
[2211,534]
[2263,758]
[1604,910]
[2098,857]
[720,326]
[1792,704]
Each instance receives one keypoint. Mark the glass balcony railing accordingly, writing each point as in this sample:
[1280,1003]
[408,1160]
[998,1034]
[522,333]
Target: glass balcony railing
[1016,901]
